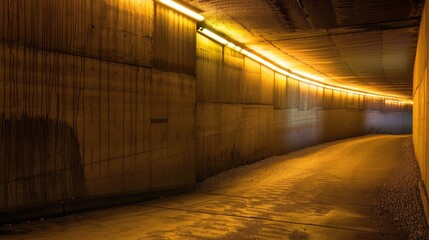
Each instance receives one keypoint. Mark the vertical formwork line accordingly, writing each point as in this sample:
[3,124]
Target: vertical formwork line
[100,43]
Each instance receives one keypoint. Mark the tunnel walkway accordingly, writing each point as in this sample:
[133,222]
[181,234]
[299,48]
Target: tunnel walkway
[323,192]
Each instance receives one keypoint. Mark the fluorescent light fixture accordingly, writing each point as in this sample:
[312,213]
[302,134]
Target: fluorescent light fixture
[303,77]
[299,78]
[219,39]
[182,9]
[389,101]
[259,59]
[213,35]
[310,76]
[231,45]
[402,102]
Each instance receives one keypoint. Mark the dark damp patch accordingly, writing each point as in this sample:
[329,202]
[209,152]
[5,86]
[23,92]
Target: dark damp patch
[40,162]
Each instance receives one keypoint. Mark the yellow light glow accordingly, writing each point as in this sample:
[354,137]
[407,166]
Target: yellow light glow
[259,59]
[213,36]
[182,9]
[348,90]
[300,76]
[390,101]
[231,45]
[310,76]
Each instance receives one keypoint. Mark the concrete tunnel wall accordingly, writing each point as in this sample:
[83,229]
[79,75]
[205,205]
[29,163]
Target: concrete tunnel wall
[421,101]
[247,112]
[112,97]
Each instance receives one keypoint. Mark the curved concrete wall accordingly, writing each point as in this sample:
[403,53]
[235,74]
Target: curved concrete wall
[247,112]
[94,102]
[105,98]
[420,98]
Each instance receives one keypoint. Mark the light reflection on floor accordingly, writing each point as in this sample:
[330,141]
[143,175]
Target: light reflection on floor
[322,192]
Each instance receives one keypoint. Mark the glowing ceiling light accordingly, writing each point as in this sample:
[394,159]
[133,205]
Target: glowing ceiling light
[389,101]
[231,45]
[401,102]
[347,90]
[300,76]
[259,59]
[310,76]
[302,79]
[213,36]
[182,9]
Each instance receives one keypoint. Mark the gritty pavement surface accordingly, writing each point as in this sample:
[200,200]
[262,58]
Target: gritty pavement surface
[399,197]
[352,189]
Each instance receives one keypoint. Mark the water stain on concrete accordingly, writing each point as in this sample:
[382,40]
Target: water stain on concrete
[40,162]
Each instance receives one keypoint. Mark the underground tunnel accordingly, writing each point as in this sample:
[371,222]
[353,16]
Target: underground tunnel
[214,119]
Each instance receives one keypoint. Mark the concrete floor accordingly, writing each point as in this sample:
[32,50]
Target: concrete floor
[323,192]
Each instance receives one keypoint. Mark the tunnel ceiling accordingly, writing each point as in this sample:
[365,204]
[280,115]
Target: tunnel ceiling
[358,43]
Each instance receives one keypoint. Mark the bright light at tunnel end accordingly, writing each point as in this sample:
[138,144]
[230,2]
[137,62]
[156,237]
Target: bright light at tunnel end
[300,76]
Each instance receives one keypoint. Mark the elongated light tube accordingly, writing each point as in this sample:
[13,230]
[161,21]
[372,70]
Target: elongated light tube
[291,74]
[214,36]
[182,9]
[390,101]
